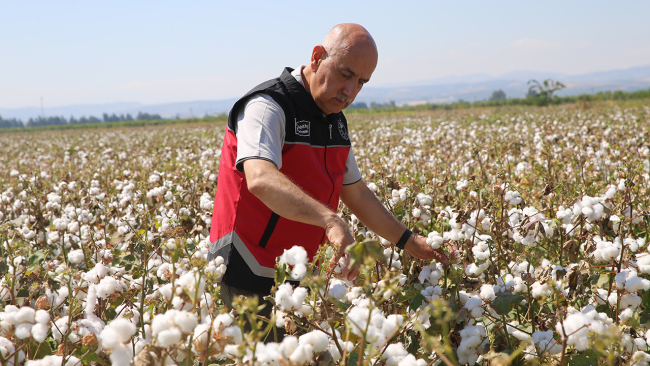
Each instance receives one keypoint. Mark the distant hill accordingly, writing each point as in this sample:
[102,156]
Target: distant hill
[448,89]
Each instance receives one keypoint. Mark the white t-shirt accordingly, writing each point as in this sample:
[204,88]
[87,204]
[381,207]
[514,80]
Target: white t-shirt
[260,133]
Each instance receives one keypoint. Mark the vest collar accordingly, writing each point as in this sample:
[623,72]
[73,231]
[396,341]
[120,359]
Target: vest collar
[299,93]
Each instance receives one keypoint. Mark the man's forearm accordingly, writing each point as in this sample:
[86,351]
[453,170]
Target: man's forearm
[282,196]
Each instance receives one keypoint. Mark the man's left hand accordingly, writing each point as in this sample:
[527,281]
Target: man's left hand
[418,248]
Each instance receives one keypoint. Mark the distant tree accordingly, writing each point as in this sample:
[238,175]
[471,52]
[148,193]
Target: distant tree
[543,92]
[359,105]
[147,117]
[93,119]
[498,95]
[8,123]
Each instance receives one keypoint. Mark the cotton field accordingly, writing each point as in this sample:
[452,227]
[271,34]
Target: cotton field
[105,236]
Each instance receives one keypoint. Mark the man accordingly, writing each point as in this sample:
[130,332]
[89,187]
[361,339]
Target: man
[286,160]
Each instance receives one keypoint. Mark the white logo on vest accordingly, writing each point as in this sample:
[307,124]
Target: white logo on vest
[302,128]
[343,131]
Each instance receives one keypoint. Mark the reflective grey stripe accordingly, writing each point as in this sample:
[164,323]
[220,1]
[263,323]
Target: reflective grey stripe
[317,146]
[249,258]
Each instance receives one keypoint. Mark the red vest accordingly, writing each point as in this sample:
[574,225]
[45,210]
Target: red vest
[247,233]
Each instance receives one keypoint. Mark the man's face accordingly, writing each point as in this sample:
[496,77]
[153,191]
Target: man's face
[339,78]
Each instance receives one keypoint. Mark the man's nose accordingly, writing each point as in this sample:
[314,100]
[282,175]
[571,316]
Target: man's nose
[350,89]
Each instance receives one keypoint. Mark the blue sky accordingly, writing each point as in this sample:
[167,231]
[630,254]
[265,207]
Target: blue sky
[82,52]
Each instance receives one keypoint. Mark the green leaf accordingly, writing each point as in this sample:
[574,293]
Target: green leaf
[359,252]
[43,349]
[588,358]
[353,360]
[36,259]
[416,301]
[505,301]
[23,292]
[282,272]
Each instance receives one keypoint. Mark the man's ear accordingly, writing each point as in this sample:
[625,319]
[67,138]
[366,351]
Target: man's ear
[317,56]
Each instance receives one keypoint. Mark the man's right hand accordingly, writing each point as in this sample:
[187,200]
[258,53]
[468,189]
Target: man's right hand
[338,233]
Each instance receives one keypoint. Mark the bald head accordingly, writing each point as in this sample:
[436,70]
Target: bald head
[340,66]
[349,37]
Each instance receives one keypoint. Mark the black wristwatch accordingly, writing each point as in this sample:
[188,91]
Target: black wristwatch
[405,237]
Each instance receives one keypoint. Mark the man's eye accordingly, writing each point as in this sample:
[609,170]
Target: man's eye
[345,75]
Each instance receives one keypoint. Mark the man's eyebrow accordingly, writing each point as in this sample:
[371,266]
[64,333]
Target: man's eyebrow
[355,74]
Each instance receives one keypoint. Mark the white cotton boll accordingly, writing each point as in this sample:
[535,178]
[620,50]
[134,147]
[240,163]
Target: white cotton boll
[630,300]
[76,256]
[109,337]
[42,317]
[576,327]
[394,353]
[541,290]
[25,315]
[162,322]
[637,284]
[302,354]
[222,321]
[487,293]
[435,240]
[416,212]
[626,314]
[283,297]
[186,321]
[39,332]
[392,323]
[299,271]
[107,286]
[169,337]
[23,331]
[233,332]
[334,352]
[620,279]
[124,328]
[337,291]
[121,355]
[317,339]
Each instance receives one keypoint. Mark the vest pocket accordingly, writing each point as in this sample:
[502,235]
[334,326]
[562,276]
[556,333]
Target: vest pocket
[269,229]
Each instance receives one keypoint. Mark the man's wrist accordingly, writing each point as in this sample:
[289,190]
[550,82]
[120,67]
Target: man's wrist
[401,243]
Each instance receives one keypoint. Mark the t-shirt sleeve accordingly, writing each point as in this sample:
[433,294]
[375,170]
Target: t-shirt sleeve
[260,131]
[352,173]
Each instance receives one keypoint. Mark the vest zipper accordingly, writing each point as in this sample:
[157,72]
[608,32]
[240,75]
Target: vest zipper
[328,174]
